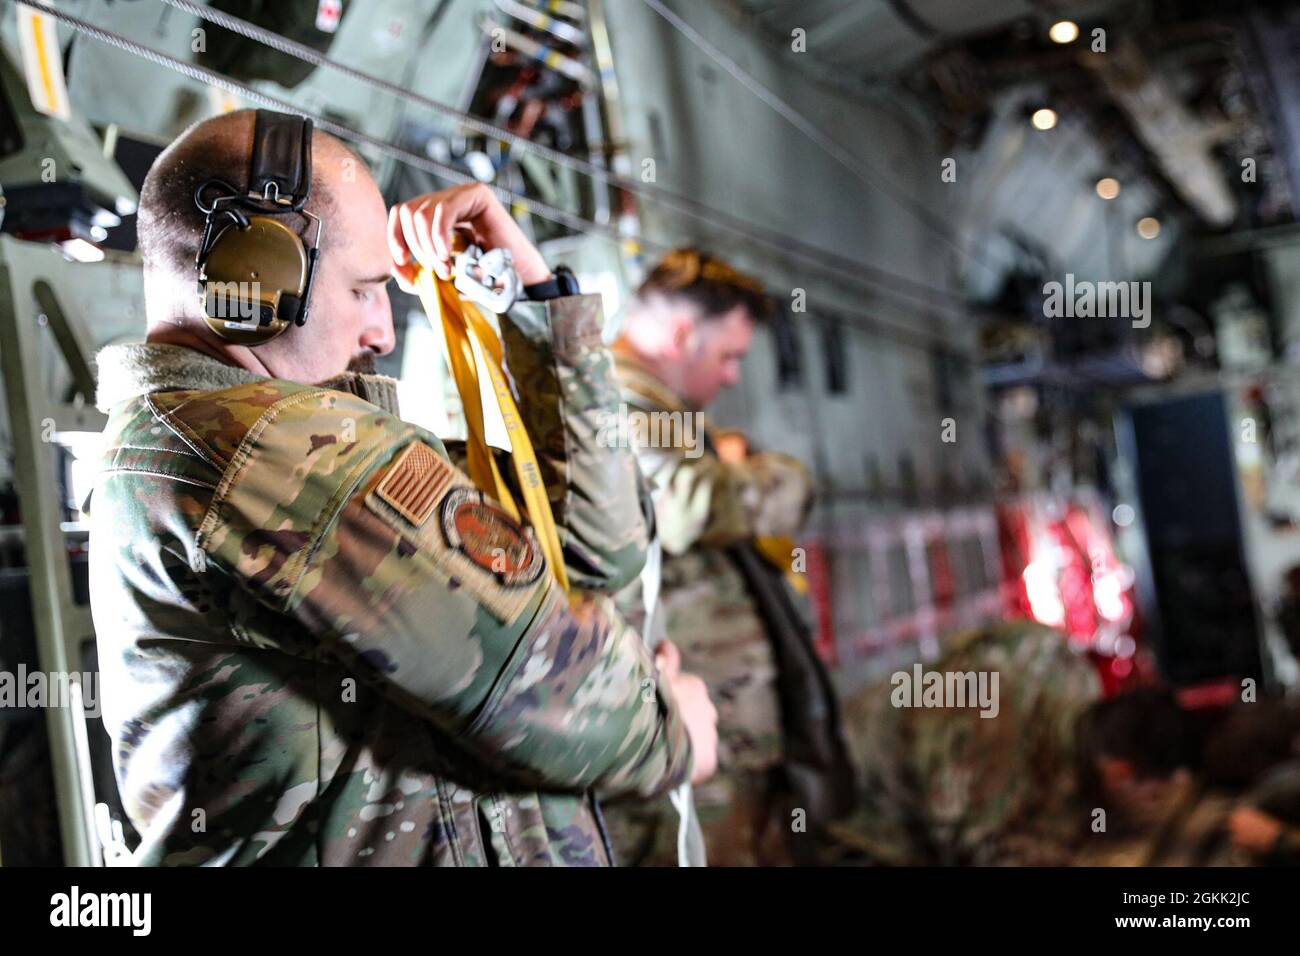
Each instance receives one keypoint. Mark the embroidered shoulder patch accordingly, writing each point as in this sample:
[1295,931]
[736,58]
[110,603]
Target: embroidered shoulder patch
[415,482]
[490,538]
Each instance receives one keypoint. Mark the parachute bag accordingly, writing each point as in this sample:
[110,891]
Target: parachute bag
[247,60]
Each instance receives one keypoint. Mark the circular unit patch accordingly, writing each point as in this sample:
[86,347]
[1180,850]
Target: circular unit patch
[490,538]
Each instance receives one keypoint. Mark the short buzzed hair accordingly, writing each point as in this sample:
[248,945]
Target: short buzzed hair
[169,226]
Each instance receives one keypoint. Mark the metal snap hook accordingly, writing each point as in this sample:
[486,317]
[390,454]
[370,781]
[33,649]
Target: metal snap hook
[487,278]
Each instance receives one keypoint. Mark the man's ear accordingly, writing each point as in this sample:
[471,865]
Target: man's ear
[1115,772]
[683,335]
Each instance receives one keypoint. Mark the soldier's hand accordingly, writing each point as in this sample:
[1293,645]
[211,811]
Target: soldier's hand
[698,712]
[420,233]
[669,659]
[1253,829]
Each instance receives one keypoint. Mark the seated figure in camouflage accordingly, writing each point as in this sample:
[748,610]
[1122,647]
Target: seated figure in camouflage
[982,781]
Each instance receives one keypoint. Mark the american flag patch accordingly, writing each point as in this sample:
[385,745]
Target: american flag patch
[415,482]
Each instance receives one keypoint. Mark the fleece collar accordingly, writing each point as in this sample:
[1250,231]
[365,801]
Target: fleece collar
[129,371]
[637,378]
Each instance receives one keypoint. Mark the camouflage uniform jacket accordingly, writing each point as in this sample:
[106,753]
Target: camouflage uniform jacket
[703,507]
[321,646]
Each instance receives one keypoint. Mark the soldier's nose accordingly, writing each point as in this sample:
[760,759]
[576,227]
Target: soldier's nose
[380,337]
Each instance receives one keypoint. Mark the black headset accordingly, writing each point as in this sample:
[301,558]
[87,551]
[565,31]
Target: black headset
[255,273]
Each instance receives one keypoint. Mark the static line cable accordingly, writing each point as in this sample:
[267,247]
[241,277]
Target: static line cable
[451,174]
[781,244]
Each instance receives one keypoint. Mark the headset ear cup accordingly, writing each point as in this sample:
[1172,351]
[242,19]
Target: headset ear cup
[250,263]
[264,269]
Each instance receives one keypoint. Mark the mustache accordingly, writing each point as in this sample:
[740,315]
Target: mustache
[363,362]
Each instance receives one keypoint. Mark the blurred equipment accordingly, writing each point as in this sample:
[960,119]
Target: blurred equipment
[59,187]
[1195,581]
[63,192]
[40,428]
[312,23]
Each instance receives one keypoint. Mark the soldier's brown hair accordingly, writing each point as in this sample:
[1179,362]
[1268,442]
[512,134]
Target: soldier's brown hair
[1145,727]
[709,283]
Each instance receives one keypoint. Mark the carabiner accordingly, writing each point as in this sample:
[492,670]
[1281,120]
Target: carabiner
[487,278]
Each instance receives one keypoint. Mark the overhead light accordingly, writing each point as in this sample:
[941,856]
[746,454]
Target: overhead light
[1148,227]
[438,148]
[480,166]
[1108,187]
[1064,31]
[105,218]
[1044,118]
[79,250]
[85,446]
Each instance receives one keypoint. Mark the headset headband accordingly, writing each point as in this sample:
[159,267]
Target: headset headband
[281,165]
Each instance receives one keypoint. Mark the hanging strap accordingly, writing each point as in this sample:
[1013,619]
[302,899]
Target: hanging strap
[778,550]
[690,840]
[468,335]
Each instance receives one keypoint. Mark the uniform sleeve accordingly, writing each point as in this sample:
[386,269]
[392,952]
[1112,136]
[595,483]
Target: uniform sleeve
[701,500]
[564,376]
[356,525]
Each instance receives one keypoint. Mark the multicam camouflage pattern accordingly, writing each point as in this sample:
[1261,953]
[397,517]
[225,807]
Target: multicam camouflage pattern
[702,505]
[945,786]
[1193,831]
[296,673]
[568,376]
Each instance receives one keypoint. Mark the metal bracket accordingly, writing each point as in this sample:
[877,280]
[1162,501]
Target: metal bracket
[28,302]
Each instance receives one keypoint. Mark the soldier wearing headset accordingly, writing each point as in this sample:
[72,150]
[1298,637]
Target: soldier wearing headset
[320,643]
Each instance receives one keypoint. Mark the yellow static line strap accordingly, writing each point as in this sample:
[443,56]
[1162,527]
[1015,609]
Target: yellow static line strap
[779,552]
[469,334]
[42,61]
